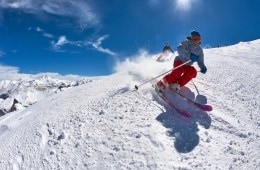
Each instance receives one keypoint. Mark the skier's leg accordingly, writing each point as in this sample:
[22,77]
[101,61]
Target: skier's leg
[189,73]
[175,74]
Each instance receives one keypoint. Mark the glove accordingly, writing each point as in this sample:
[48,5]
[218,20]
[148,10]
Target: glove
[203,70]
[194,57]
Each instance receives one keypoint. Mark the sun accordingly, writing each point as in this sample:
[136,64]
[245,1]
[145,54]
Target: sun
[183,4]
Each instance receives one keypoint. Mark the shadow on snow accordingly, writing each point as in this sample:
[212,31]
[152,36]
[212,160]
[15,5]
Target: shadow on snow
[184,130]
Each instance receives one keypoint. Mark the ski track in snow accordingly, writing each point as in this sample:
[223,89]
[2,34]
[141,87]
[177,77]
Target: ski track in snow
[105,125]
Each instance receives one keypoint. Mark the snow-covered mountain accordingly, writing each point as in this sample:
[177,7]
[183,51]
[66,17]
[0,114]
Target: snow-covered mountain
[29,90]
[103,124]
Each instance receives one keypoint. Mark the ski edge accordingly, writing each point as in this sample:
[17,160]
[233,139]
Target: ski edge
[167,101]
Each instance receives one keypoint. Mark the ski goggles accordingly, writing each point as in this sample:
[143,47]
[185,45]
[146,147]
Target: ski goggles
[196,38]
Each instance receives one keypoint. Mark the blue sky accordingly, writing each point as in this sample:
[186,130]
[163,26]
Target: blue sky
[87,37]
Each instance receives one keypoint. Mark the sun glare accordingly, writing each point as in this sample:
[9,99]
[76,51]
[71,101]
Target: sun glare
[183,4]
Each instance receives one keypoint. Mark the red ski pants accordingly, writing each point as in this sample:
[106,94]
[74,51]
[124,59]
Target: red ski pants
[181,75]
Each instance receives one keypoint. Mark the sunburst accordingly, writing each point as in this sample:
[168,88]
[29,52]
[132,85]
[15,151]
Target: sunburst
[183,4]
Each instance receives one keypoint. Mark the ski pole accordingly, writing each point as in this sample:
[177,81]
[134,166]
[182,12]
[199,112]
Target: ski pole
[195,87]
[137,86]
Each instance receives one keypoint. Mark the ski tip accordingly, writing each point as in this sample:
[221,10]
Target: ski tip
[207,108]
[210,108]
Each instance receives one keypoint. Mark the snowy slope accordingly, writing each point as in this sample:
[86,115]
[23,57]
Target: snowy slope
[105,125]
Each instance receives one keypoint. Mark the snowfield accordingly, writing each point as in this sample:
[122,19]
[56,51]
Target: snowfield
[104,124]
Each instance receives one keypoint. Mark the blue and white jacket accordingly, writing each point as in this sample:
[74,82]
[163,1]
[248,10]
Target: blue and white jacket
[186,48]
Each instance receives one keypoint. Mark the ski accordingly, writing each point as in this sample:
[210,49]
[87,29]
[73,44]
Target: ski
[203,107]
[169,103]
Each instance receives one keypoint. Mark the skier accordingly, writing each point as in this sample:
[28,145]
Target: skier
[164,56]
[167,48]
[189,49]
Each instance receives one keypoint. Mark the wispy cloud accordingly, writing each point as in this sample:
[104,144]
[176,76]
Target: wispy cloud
[8,69]
[62,41]
[45,34]
[13,73]
[8,72]
[80,10]
[2,53]
[97,45]
[94,44]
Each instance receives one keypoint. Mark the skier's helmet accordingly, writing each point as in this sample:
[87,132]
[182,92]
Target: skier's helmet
[195,36]
[195,33]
